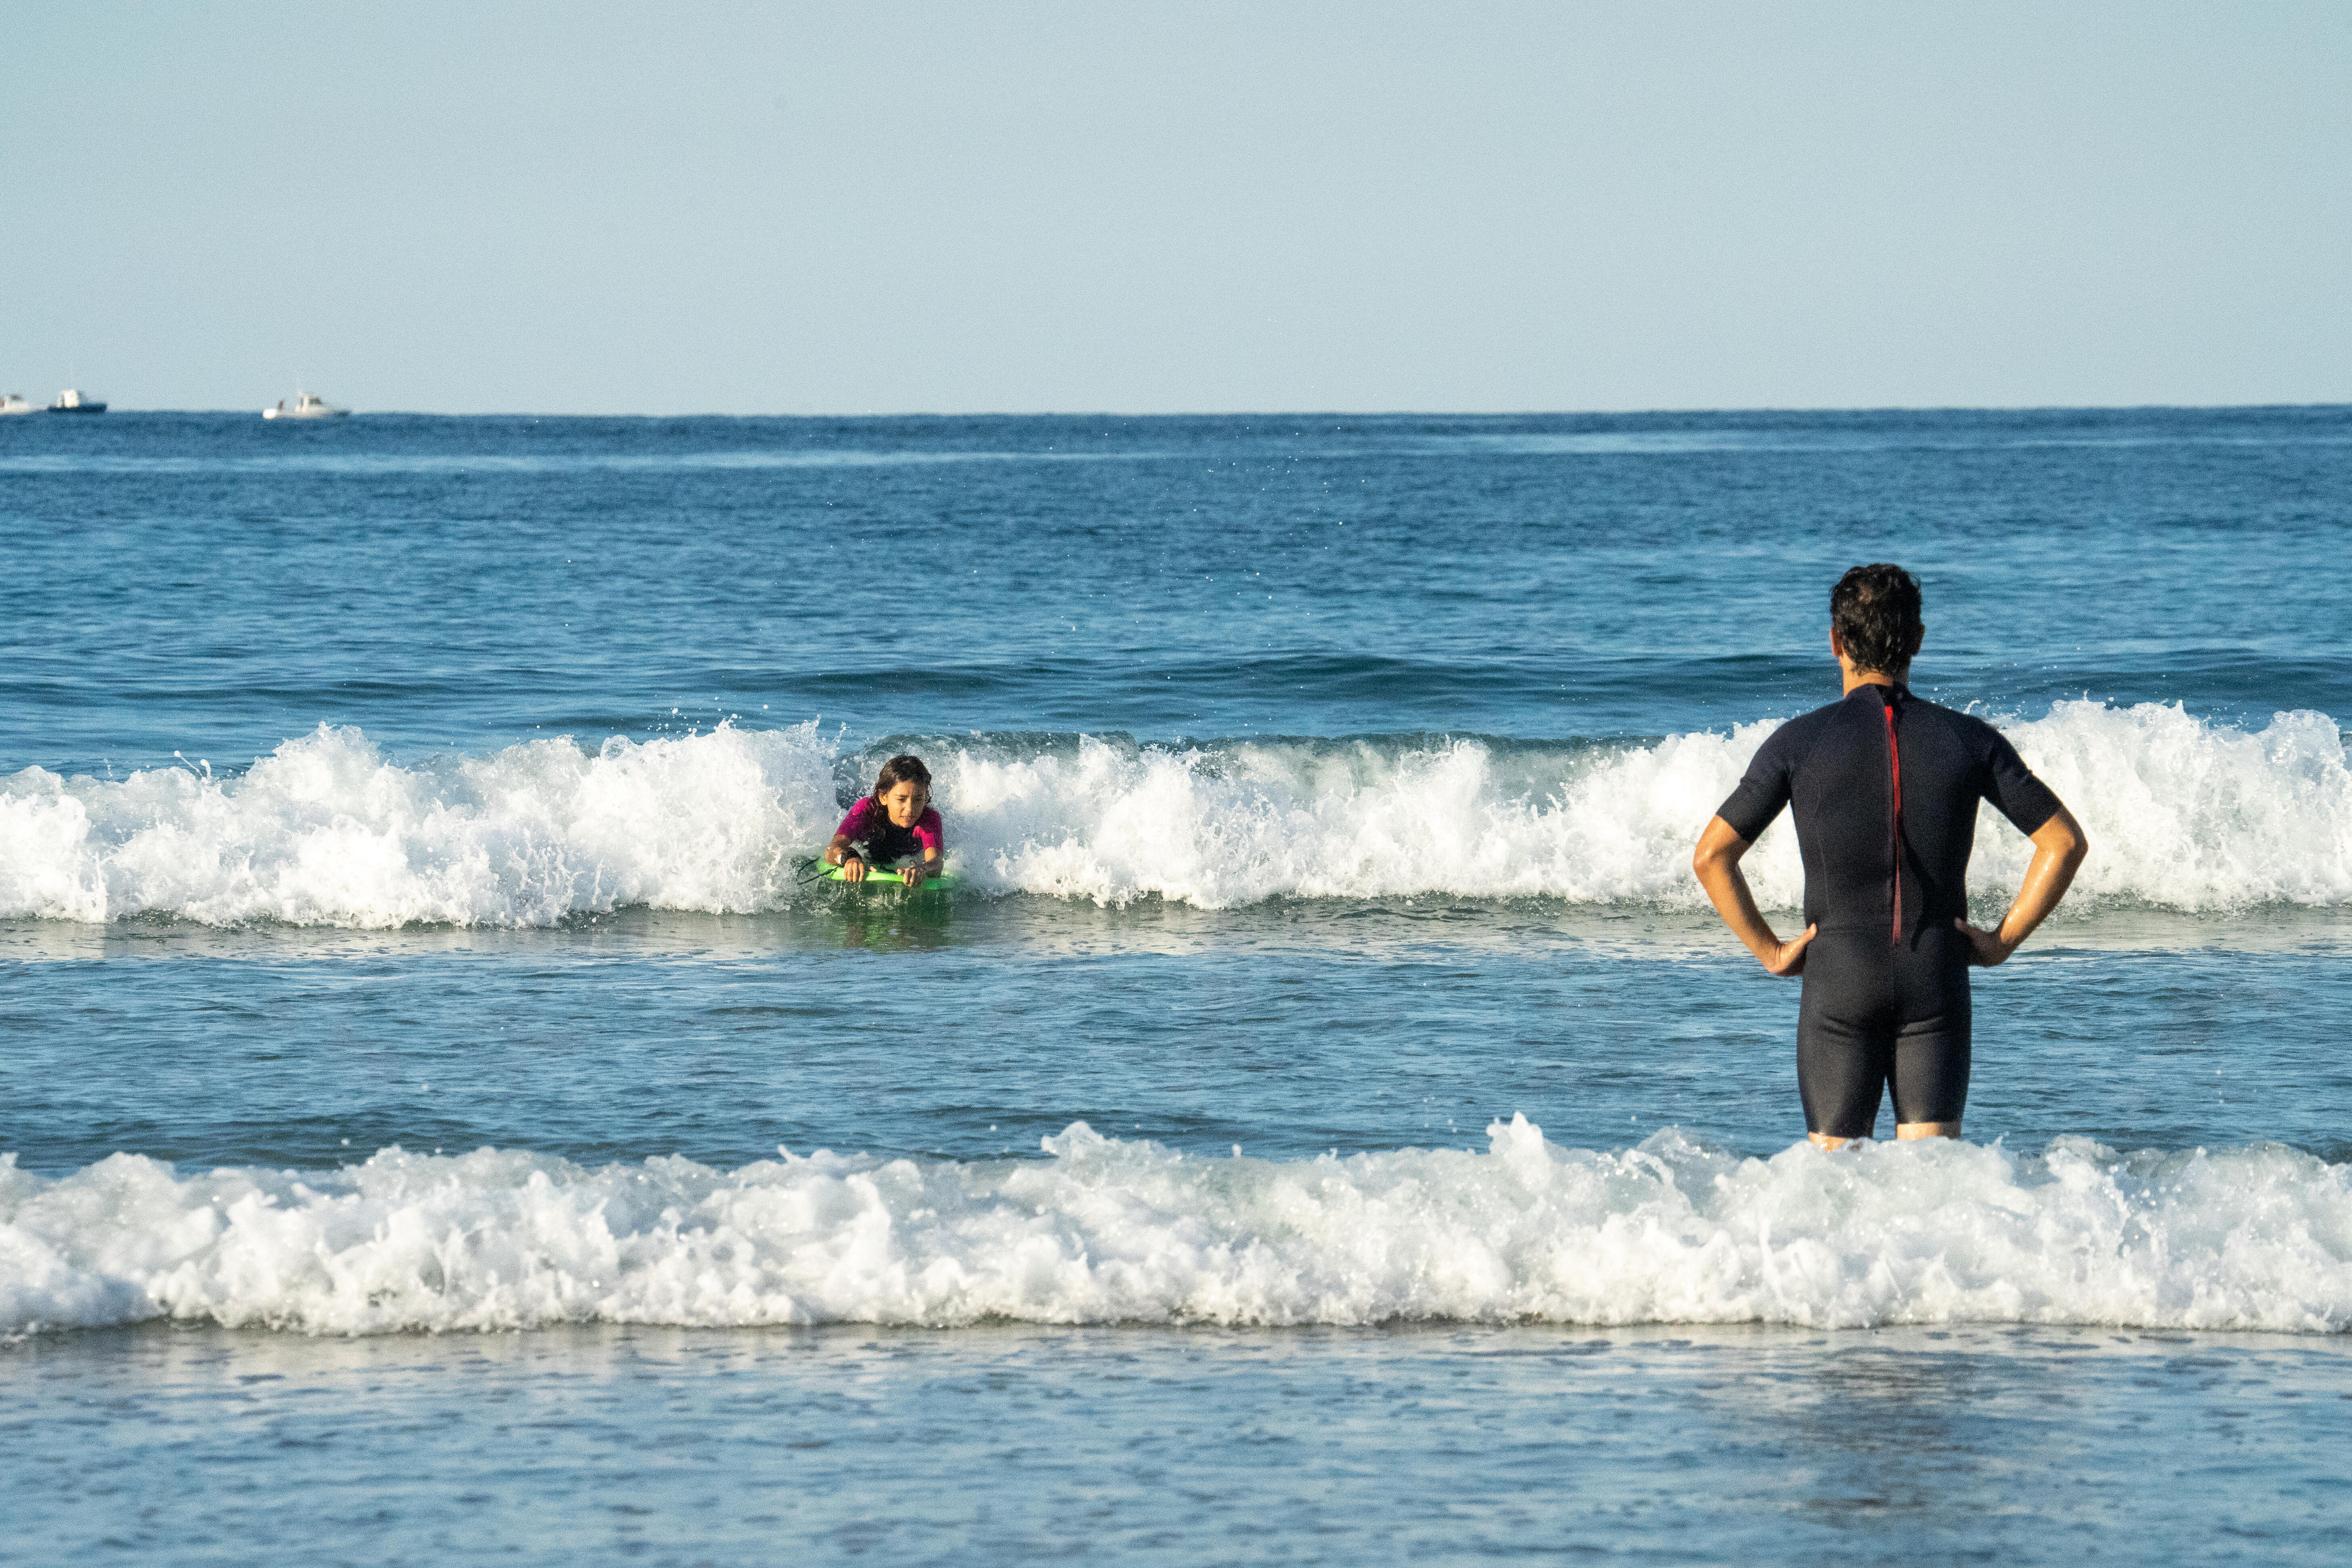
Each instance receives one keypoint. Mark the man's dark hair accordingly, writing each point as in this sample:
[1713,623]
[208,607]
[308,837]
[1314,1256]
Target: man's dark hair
[1876,612]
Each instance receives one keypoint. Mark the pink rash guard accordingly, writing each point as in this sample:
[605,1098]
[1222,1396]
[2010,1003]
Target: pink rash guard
[870,824]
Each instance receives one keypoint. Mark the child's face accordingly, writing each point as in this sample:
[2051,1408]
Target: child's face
[904,801]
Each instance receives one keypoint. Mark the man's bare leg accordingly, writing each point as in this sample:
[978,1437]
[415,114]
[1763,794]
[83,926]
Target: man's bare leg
[1903,1131]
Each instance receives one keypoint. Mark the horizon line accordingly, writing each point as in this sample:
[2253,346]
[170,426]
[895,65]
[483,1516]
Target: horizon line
[1305,413]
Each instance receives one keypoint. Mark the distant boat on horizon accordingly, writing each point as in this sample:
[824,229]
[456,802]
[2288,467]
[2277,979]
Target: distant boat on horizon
[17,402]
[307,406]
[72,402]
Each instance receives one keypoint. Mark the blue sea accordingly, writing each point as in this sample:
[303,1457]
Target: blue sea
[443,1124]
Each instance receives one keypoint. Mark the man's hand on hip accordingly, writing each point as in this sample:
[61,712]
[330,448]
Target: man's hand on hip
[1788,960]
[1985,948]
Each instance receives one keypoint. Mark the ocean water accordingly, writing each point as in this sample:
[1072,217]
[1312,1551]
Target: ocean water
[439,1121]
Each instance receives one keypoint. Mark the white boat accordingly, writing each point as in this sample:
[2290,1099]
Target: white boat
[72,402]
[17,402]
[307,406]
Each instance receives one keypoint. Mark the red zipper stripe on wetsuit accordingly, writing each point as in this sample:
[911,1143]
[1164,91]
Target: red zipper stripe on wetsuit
[1895,822]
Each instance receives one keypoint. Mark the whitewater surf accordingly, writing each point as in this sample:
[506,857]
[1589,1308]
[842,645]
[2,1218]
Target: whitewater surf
[2188,814]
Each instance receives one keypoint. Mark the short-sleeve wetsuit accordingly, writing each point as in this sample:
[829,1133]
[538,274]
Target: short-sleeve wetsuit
[1884,787]
[885,842]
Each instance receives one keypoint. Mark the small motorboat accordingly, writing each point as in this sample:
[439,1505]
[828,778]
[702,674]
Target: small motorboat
[72,402]
[307,406]
[17,402]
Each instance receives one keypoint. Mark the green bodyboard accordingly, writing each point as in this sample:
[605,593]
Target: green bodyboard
[876,878]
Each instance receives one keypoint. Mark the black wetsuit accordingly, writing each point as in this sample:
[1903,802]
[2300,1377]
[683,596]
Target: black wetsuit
[886,844]
[1885,788]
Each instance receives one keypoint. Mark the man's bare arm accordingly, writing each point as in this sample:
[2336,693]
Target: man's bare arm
[1716,864]
[2059,845]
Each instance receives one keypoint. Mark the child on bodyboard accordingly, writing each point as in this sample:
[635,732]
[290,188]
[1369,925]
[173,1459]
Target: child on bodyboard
[892,826]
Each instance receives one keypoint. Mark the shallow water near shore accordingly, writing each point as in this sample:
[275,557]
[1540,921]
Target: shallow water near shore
[437,1117]
[1017,1443]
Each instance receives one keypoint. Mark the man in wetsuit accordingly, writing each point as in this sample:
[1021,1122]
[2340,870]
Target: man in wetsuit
[1885,789]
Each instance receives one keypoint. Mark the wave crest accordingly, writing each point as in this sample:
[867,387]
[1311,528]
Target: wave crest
[2182,814]
[1106,1231]
[324,831]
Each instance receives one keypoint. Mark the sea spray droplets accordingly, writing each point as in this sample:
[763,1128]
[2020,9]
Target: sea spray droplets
[1107,1231]
[2181,813]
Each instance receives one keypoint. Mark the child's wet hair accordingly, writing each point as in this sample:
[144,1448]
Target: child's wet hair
[904,768]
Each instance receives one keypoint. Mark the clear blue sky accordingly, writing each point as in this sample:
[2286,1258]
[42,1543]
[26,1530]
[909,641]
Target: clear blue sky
[890,207]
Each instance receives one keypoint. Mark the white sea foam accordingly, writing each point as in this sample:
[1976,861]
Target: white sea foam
[2182,813]
[1106,1231]
[324,831]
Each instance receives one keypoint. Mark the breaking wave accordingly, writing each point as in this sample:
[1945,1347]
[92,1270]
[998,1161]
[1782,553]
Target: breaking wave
[2182,814]
[1109,1231]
